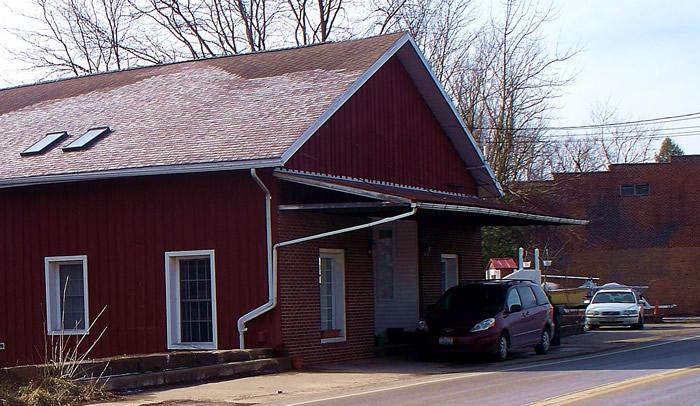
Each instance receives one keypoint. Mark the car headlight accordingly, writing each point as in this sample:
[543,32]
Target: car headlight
[422,325]
[631,312]
[592,313]
[483,325]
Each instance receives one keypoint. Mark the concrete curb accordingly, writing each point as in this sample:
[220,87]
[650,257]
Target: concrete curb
[230,370]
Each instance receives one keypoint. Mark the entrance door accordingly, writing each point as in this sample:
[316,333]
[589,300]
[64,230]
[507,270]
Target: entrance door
[395,252]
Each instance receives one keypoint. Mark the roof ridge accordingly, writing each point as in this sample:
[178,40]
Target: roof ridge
[211,58]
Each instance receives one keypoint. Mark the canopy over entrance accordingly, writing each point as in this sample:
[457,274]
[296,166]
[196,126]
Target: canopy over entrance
[368,197]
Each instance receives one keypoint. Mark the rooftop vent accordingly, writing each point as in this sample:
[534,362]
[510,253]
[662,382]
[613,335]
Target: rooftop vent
[45,143]
[90,137]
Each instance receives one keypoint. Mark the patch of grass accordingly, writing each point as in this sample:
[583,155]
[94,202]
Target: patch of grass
[50,391]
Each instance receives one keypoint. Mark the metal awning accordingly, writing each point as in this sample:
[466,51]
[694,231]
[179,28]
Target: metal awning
[387,197]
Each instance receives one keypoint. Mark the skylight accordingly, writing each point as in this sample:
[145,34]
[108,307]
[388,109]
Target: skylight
[90,137]
[45,143]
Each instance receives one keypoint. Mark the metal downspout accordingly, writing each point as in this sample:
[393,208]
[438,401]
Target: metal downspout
[271,274]
[273,256]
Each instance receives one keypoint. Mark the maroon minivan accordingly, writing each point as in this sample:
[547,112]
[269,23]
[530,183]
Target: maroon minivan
[490,316]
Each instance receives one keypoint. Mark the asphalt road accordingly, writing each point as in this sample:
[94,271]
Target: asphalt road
[662,372]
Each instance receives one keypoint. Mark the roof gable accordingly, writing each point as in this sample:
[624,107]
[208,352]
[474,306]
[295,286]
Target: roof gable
[233,112]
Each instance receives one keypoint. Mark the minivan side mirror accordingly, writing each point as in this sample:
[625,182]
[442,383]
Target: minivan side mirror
[514,308]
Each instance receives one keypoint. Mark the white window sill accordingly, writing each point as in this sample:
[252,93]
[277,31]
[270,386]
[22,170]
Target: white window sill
[193,346]
[68,333]
[333,340]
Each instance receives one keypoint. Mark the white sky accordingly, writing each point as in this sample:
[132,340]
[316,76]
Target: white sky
[640,56]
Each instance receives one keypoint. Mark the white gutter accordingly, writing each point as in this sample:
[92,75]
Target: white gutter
[271,271]
[502,213]
[272,256]
[140,171]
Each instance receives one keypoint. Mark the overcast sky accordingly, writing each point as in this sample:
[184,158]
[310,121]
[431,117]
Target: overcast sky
[642,57]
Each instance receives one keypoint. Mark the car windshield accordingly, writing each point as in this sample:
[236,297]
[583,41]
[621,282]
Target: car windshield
[614,297]
[469,298]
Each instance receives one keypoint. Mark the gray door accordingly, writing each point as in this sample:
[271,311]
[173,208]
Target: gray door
[395,252]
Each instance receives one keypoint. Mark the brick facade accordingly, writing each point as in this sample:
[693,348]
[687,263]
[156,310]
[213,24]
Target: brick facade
[298,279]
[438,238]
[649,239]
[299,289]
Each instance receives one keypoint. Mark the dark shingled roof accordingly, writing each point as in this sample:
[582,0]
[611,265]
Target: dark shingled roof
[237,108]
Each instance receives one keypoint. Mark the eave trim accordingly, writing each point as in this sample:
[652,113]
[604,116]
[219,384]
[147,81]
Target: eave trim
[341,188]
[501,213]
[143,171]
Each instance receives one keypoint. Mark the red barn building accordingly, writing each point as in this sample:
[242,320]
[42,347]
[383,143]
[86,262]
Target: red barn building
[644,227]
[180,206]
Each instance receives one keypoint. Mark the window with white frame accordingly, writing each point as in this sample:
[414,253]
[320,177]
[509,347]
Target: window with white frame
[331,279]
[66,295]
[449,271]
[191,299]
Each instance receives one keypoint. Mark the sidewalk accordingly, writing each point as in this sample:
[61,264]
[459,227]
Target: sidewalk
[366,374]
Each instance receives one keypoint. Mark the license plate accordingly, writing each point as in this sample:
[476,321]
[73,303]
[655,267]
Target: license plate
[445,340]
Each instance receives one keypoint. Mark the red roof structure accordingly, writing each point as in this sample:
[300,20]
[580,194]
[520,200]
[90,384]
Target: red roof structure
[502,263]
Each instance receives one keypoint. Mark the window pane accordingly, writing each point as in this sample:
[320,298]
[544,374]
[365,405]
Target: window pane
[513,298]
[72,296]
[627,190]
[326,290]
[527,297]
[195,301]
[641,190]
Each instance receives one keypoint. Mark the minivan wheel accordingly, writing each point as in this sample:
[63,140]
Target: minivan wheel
[501,349]
[543,345]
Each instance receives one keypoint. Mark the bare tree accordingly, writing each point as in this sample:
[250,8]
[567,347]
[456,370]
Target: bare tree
[314,21]
[521,85]
[441,29]
[79,37]
[630,143]
[576,154]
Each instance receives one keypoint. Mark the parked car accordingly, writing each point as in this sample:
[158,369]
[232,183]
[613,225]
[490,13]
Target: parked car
[494,317]
[620,307]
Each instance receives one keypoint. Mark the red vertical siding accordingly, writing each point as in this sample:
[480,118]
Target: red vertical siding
[125,227]
[386,132]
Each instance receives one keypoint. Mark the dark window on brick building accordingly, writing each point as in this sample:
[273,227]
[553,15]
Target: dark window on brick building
[627,190]
[641,189]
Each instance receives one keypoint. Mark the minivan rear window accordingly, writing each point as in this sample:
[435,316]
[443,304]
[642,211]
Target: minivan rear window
[473,297]
[527,297]
[540,295]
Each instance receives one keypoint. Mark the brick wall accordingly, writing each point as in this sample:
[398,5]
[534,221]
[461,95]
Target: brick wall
[437,238]
[298,279]
[642,240]
[299,291]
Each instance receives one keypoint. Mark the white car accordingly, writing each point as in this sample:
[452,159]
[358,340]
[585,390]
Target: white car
[620,307]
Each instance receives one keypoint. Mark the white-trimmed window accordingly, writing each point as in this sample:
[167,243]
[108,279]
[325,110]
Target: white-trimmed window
[190,295]
[449,271]
[331,279]
[66,295]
